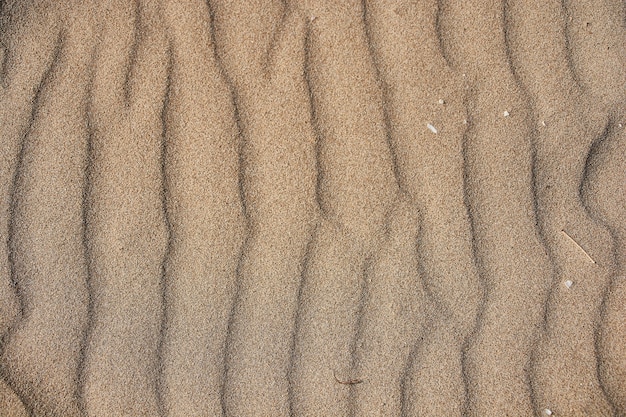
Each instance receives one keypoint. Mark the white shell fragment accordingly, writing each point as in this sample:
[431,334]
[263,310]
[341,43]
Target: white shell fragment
[506,113]
[543,123]
[441,101]
[620,125]
[547,412]
[569,283]
[431,128]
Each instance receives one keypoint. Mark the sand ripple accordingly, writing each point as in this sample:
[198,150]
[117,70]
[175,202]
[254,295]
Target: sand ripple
[317,208]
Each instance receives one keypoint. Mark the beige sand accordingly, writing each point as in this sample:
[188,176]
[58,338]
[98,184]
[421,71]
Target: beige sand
[313,208]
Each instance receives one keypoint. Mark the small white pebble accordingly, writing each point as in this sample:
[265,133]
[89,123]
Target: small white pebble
[547,412]
[464,121]
[543,123]
[506,113]
[431,128]
[441,101]
[620,125]
[464,75]
[569,283]
[313,18]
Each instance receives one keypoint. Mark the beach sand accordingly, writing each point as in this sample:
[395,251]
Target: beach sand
[313,208]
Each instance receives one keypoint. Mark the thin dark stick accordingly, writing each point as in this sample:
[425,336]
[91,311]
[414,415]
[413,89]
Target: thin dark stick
[348,382]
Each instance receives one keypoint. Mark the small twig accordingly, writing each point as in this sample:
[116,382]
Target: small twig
[348,382]
[580,247]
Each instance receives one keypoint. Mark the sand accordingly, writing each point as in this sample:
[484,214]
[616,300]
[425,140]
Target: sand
[313,208]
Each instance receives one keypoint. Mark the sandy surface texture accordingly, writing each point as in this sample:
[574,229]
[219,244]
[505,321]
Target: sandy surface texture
[312,208]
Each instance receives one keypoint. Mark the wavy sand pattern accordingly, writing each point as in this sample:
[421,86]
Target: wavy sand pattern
[313,208]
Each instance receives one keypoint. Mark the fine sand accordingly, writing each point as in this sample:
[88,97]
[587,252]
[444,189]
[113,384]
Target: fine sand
[312,208]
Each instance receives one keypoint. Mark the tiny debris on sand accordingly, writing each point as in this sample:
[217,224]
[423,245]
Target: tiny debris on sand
[347,382]
[431,128]
[580,247]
